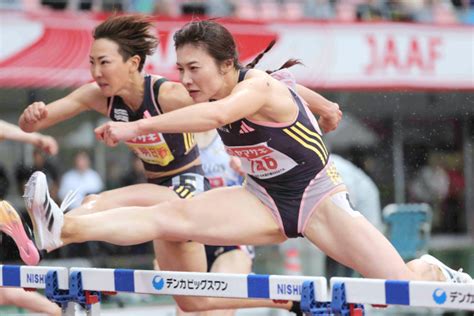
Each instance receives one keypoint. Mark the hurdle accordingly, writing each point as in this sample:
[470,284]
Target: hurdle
[406,293]
[346,296]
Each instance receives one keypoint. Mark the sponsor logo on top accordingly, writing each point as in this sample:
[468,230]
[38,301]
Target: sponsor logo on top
[289,289]
[439,296]
[455,297]
[35,278]
[160,283]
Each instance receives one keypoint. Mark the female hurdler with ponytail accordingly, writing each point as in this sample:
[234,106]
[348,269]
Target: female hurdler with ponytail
[292,188]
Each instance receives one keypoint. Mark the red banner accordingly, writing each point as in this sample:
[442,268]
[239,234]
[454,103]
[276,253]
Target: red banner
[51,50]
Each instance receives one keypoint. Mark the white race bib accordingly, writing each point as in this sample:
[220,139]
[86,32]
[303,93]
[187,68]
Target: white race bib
[261,161]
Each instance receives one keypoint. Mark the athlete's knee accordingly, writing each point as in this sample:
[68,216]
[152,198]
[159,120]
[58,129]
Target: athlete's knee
[195,304]
[91,198]
[183,210]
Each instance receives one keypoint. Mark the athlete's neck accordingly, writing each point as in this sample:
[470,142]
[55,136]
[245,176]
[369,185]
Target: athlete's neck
[133,91]
[230,80]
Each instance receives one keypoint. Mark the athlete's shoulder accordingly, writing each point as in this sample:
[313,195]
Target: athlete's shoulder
[255,73]
[173,95]
[255,79]
[155,78]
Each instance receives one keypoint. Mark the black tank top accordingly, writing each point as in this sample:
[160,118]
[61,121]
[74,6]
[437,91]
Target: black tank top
[280,157]
[160,152]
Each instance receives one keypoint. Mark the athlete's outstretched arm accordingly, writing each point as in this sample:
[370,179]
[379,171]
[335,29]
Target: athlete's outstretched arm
[329,112]
[247,98]
[13,132]
[38,115]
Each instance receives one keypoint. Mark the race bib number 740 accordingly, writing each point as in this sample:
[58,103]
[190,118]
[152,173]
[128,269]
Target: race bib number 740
[261,161]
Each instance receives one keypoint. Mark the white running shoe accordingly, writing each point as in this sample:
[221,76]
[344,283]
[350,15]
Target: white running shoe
[451,275]
[47,217]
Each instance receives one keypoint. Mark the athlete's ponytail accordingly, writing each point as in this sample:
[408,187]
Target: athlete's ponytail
[289,63]
[254,62]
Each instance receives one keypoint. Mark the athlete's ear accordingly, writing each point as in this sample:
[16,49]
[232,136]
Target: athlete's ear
[134,62]
[226,66]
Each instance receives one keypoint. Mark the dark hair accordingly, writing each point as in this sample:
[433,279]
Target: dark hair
[289,63]
[131,33]
[210,35]
[219,43]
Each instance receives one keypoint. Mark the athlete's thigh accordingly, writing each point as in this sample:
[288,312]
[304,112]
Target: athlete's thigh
[143,194]
[349,238]
[229,216]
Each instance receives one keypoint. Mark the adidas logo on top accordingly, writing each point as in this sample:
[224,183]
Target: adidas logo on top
[244,128]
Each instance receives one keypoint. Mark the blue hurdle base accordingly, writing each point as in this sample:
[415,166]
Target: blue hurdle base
[338,305]
[66,299]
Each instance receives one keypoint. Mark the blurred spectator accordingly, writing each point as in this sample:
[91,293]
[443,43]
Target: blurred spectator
[82,179]
[365,198]
[140,6]
[372,10]
[27,5]
[215,160]
[40,163]
[345,11]
[220,8]
[363,191]
[245,9]
[452,214]
[43,145]
[431,185]
[195,8]
[399,10]
[136,173]
[465,10]
[55,4]
[444,12]
[426,11]
[319,9]
[166,8]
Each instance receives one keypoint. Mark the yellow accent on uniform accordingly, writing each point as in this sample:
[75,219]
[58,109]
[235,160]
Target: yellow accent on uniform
[299,140]
[179,189]
[188,141]
[309,139]
[304,128]
[333,174]
[184,193]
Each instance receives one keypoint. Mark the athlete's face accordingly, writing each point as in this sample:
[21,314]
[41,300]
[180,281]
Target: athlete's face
[108,68]
[199,73]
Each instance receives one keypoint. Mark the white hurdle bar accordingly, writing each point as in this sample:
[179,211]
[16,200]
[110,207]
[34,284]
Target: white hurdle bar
[30,277]
[408,293]
[277,287]
[251,286]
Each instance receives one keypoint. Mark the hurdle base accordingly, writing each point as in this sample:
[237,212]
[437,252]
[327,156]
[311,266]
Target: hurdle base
[339,305]
[73,299]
